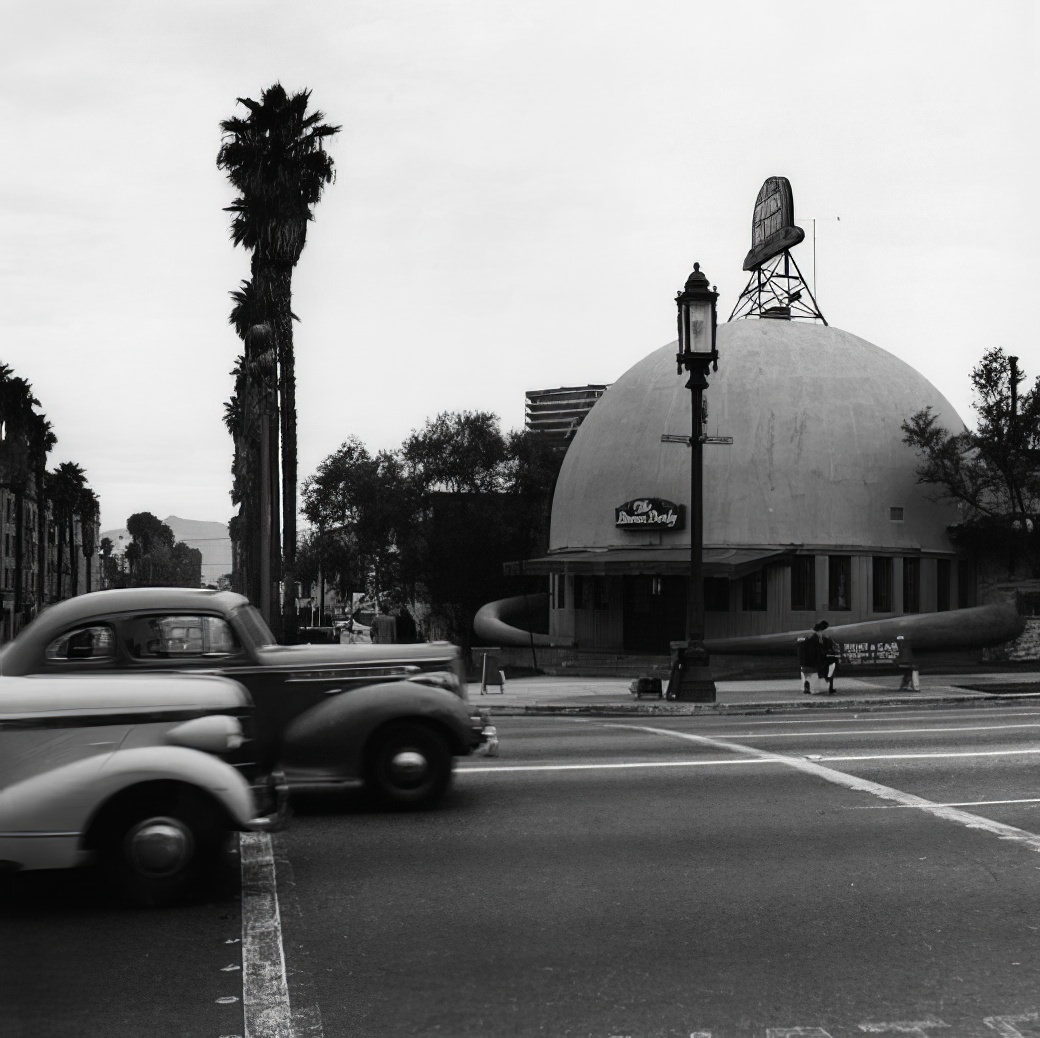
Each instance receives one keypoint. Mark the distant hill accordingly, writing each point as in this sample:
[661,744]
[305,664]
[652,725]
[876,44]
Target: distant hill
[210,538]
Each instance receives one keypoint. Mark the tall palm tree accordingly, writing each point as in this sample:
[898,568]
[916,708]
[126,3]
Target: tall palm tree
[16,404]
[21,437]
[251,418]
[66,483]
[276,159]
[89,510]
[42,442]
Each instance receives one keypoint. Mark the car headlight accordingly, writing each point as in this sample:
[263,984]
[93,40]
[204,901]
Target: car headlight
[216,733]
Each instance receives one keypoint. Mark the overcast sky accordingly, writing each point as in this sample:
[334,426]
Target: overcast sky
[522,189]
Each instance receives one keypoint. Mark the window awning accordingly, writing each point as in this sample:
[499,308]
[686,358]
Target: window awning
[717,562]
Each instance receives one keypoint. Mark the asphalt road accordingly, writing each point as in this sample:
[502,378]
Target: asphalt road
[735,877]
[784,877]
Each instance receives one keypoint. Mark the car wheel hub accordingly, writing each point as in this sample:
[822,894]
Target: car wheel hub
[408,766]
[159,847]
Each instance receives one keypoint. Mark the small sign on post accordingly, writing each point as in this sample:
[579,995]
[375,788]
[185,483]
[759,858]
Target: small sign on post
[491,672]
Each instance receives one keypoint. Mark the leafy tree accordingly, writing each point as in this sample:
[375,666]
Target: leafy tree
[149,531]
[435,521]
[461,453]
[361,508]
[276,159]
[156,558]
[993,472]
[533,468]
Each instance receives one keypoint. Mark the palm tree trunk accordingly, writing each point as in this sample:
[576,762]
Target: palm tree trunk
[287,421]
[265,518]
[73,556]
[41,539]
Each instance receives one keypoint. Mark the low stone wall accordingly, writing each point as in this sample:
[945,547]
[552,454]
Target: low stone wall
[1024,649]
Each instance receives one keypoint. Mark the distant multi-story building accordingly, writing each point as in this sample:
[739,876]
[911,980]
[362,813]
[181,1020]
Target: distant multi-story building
[78,572]
[557,413]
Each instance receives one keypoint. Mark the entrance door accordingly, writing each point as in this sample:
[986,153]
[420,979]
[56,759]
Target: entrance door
[654,613]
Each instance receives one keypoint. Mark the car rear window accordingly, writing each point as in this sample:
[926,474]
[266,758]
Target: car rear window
[180,636]
[96,642]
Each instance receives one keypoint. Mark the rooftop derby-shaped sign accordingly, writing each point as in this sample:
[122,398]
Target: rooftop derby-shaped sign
[773,228]
[776,289]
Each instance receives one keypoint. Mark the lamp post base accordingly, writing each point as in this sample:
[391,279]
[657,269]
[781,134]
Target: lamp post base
[690,680]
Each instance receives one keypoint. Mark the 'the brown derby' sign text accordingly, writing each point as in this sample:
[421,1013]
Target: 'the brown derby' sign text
[649,513]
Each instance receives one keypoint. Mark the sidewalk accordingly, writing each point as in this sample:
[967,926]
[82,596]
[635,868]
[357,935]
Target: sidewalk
[548,695]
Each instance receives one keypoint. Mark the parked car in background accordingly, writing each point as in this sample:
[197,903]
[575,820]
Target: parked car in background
[129,771]
[390,718]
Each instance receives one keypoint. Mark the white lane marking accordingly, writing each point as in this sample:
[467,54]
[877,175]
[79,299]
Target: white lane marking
[265,993]
[839,778]
[476,769]
[463,769]
[839,732]
[1005,1025]
[915,1027]
[927,756]
[963,803]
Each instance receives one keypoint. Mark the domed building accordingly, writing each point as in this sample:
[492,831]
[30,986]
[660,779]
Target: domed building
[812,510]
[810,500]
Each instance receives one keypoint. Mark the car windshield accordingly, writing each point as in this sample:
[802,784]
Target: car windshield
[253,623]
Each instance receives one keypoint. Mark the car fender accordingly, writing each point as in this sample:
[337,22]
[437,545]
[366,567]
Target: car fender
[336,730]
[65,799]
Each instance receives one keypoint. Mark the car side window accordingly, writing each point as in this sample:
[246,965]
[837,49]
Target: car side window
[180,636]
[96,642]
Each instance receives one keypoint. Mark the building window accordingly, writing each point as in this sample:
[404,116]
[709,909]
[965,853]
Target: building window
[896,514]
[882,600]
[911,585]
[716,594]
[803,582]
[839,582]
[753,591]
[579,592]
[943,578]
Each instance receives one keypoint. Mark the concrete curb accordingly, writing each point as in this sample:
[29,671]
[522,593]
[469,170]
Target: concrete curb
[716,709]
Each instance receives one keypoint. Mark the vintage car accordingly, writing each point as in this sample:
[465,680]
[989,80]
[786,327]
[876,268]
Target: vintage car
[129,771]
[387,717]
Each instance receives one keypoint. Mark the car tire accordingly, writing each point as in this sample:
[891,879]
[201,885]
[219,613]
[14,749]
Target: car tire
[409,766]
[158,847]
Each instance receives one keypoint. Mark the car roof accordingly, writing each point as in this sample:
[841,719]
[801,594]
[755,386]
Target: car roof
[120,600]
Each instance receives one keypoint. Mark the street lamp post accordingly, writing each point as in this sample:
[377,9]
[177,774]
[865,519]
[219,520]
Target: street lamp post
[691,679]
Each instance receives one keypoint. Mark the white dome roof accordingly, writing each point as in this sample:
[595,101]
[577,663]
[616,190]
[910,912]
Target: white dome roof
[817,457]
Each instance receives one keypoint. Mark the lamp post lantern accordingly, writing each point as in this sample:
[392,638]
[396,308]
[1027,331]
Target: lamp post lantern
[691,679]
